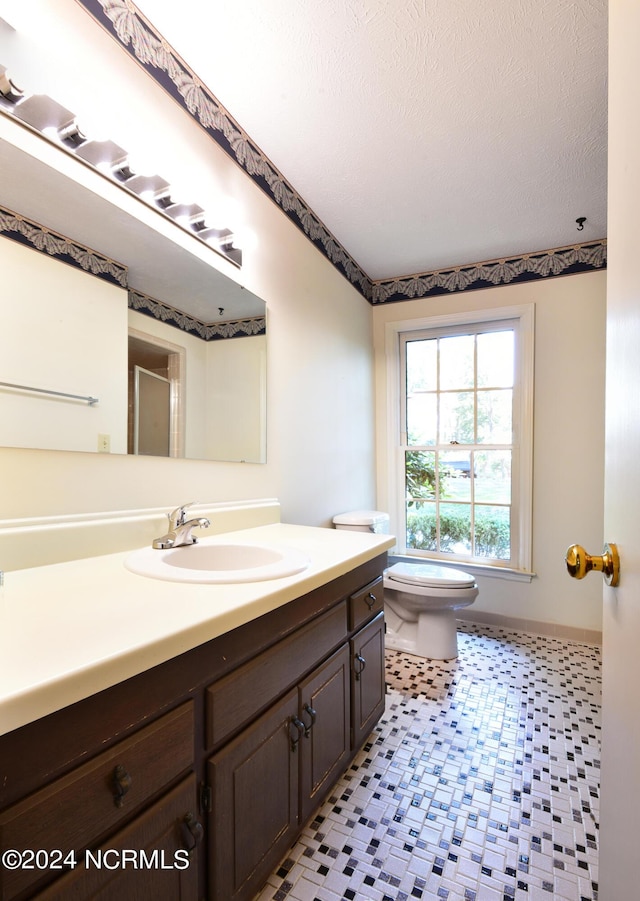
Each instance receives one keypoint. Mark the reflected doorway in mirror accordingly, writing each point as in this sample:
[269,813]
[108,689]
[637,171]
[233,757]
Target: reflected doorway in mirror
[155,425]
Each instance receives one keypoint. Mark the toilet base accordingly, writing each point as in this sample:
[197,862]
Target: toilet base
[434,635]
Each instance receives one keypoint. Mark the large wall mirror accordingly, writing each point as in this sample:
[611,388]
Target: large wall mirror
[170,362]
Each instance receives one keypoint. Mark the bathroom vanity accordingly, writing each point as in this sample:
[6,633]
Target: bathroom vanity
[191,777]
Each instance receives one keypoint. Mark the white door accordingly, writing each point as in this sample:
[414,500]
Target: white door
[620,789]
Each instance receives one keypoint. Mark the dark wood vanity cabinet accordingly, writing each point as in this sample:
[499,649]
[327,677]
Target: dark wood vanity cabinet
[268,782]
[193,779]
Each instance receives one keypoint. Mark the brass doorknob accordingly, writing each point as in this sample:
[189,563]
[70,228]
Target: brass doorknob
[579,563]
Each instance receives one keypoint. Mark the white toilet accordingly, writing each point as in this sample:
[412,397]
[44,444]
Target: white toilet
[420,599]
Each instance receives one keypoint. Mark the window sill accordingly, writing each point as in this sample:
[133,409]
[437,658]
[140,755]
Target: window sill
[480,569]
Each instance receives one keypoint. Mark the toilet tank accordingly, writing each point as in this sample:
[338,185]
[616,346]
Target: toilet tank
[363,521]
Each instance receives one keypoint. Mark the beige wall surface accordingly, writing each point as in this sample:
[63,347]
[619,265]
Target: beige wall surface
[568,449]
[45,320]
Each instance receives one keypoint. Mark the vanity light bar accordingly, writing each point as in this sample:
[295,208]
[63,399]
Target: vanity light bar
[59,125]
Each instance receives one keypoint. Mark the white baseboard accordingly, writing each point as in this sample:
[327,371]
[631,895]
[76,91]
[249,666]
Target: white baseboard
[555,630]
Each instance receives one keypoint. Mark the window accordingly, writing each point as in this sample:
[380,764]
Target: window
[464,470]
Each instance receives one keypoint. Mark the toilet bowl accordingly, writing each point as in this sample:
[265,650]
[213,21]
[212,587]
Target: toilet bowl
[420,599]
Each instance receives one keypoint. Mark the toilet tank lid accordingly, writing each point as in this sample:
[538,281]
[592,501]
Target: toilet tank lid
[431,574]
[361,518]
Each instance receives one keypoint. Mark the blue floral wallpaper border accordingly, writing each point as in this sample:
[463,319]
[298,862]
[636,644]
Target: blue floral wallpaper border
[37,237]
[529,267]
[208,331]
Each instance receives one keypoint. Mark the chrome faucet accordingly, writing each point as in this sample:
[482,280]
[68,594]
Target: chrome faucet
[179,534]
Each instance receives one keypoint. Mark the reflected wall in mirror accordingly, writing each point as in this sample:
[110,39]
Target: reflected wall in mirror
[68,331]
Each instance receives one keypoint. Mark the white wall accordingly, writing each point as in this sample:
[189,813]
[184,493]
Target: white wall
[236,399]
[568,439]
[48,309]
[320,404]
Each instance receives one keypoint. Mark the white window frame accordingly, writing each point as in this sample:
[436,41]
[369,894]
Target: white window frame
[522,474]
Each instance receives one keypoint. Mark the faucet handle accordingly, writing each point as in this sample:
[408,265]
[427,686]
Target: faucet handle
[177,517]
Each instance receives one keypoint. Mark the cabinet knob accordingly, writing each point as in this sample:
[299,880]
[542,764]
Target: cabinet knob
[359,664]
[192,832]
[121,783]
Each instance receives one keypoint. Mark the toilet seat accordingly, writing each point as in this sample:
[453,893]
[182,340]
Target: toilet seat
[429,575]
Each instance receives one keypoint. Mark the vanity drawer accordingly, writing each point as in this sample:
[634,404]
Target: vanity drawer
[365,604]
[239,697]
[75,810]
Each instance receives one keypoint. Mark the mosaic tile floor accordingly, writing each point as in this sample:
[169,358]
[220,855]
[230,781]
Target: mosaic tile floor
[479,783]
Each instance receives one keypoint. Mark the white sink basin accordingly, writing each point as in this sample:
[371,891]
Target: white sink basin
[214,562]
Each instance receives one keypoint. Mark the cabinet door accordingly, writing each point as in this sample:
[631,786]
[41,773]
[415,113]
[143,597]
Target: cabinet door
[155,856]
[326,747]
[254,819]
[367,679]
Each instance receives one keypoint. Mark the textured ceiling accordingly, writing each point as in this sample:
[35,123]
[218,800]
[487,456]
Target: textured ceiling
[423,133]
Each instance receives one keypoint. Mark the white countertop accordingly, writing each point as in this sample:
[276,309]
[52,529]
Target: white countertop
[69,630]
